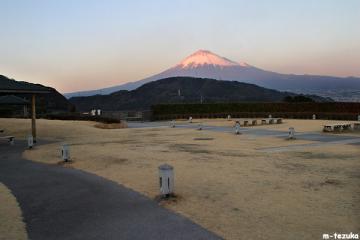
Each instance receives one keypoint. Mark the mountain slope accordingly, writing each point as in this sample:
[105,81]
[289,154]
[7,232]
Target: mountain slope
[52,101]
[205,64]
[179,90]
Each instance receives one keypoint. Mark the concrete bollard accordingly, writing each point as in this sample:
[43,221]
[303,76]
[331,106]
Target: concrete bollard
[190,119]
[229,118]
[270,116]
[291,133]
[314,117]
[172,123]
[199,127]
[237,128]
[166,178]
[65,152]
[30,141]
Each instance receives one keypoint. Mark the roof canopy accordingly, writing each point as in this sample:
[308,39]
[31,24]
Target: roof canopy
[12,100]
[11,86]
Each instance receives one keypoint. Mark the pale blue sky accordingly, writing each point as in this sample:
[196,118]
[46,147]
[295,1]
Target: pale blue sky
[87,44]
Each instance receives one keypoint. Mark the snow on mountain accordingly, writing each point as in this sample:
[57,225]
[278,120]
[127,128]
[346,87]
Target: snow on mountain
[204,57]
[205,64]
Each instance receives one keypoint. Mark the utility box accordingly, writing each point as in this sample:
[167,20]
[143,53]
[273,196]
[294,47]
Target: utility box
[314,117]
[65,152]
[291,133]
[166,178]
[30,141]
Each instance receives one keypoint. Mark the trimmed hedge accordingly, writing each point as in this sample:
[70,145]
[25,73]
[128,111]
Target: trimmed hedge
[329,110]
[80,117]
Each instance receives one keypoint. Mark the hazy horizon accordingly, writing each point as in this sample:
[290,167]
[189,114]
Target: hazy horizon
[85,45]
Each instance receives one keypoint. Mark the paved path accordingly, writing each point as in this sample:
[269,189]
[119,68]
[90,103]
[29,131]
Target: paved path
[312,136]
[63,203]
[321,139]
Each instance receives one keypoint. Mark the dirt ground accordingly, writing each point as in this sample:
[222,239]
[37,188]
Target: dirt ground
[223,182]
[11,224]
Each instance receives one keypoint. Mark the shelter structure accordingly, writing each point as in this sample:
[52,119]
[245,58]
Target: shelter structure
[14,88]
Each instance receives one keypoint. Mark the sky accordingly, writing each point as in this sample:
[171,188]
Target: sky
[77,45]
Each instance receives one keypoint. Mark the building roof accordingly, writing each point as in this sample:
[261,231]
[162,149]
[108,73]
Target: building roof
[12,100]
[11,86]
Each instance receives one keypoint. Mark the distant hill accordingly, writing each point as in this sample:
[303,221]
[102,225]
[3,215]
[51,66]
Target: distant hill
[181,90]
[50,102]
[205,64]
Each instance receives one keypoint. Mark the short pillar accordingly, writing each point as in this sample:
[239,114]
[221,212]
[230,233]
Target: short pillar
[99,112]
[190,119]
[237,128]
[270,116]
[199,127]
[358,117]
[30,141]
[291,133]
[65,152]
[166,180]
[313,116]
[172,123]
[228,117]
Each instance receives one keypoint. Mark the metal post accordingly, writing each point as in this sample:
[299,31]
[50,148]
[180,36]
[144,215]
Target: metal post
[33,117]
[25,111]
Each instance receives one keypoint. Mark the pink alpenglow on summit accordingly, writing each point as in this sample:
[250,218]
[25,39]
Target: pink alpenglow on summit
[204,57]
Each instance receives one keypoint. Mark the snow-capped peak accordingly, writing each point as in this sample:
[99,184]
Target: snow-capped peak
[204,57]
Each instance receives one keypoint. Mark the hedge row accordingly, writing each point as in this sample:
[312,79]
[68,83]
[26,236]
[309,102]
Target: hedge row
[79,117]
[337,110]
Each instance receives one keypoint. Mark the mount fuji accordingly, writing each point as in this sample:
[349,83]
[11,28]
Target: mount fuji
[205,64]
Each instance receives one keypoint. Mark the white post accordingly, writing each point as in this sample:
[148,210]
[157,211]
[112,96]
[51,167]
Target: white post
[199,127]
[237,128]
[190,119]
[314,117]
[30,141]
[229,117]
[99,112]
[358,117]
[166,179]
[291,133]
[65,152]
[270,116]
[172,123]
